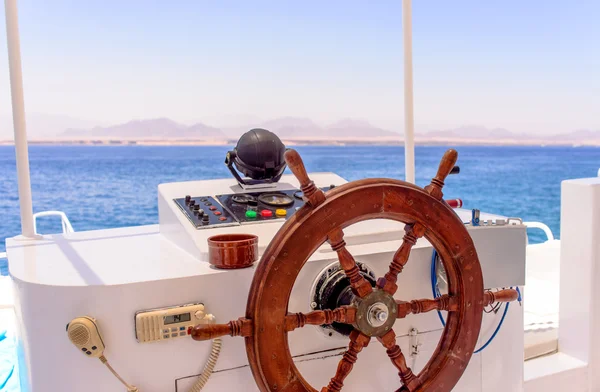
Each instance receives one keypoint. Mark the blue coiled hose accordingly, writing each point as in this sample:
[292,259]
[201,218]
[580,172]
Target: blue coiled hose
[436,293]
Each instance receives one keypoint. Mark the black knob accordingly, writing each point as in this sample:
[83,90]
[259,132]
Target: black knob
[205,218]
[331,186]
[187,199]
[199,213]
[196,207]
[192,202]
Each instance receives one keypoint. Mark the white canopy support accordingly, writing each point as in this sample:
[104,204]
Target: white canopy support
[409,119]
[18,111]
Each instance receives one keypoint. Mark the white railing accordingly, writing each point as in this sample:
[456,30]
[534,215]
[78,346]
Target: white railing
[541,226]
[66,224]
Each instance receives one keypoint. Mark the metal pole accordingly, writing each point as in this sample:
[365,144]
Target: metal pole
[409,120]
[18,112]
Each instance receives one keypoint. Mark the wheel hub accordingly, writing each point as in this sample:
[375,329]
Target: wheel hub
[378,314]
[375,313]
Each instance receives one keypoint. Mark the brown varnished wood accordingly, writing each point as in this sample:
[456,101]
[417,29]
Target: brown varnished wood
[408,378]
[412,232]
[448,303]
[322,219]
[358,341]
[310,226]
[444,302]
[506,295]
[239,327]
[360,286]
[232,251]
[343,314]
[312,195]
[243,327]
[446,165]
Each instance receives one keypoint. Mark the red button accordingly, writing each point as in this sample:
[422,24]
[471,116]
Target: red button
[222,218]
[266,213]
[212,208]
[217,213]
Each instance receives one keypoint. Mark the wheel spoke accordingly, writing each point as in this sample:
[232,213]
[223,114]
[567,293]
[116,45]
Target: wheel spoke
[358,341]
[343,314]
[408,378]
[360,286]
[450,304]
[444,302]
[412,233]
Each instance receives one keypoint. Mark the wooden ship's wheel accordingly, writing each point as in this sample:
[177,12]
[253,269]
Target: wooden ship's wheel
[373,310]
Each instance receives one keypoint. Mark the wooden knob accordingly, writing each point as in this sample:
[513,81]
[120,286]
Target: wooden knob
[240,327]
[446,165]
[294,162]
[210,331]
[313,196]
[506,295]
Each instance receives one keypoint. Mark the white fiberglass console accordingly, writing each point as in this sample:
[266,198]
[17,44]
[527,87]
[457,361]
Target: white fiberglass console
[117,275]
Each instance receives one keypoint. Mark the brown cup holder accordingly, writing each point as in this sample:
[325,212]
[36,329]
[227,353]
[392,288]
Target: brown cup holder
[232,251]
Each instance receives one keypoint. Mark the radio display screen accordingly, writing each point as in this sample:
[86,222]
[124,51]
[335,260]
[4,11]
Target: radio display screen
[177,318]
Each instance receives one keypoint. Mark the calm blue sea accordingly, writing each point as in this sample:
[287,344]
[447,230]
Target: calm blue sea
[112,186]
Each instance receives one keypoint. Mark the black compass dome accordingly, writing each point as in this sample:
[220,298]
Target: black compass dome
[259,155]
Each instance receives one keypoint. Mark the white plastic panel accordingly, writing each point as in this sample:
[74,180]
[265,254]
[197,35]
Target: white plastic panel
[579,317]
[111,274]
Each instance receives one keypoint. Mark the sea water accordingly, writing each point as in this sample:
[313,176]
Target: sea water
[114,186]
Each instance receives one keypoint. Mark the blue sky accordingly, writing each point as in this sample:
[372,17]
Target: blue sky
[529,66]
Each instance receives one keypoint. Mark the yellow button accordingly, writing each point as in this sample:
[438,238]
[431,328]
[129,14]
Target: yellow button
[281,212]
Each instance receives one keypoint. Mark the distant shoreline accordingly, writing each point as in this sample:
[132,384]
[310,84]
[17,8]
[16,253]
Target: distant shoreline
[308,142]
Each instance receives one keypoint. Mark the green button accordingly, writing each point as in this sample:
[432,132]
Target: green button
[250,214]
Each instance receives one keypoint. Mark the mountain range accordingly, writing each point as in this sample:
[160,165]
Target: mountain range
[291,129]
[161,128]
[300,128]
[479,135]
[285,127]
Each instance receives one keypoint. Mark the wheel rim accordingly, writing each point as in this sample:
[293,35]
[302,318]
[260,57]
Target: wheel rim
[308,229]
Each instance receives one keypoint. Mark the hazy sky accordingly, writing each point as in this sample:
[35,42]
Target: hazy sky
[525,65]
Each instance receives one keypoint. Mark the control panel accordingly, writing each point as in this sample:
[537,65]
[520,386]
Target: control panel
[241,208]
[205,211]
[169,323]
[262,206]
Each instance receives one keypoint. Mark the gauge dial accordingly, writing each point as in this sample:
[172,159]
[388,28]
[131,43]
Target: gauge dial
[242,199]
[276,199]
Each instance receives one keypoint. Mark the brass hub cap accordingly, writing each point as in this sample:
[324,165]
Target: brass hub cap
[375,313]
